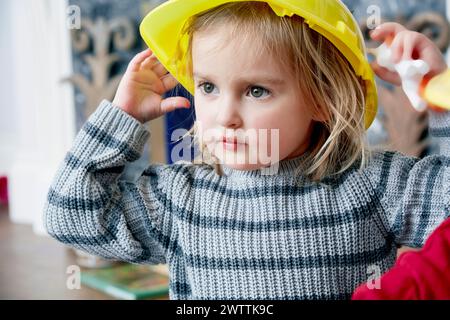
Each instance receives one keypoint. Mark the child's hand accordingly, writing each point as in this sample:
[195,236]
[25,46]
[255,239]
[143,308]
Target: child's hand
[407,45]
[404,125]
[141,88]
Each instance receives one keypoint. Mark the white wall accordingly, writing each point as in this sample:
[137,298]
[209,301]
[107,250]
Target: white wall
[44,111]
[8,113]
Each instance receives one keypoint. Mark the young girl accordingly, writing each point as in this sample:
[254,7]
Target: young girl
[315,228]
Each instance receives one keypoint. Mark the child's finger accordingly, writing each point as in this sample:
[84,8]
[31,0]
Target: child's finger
[149,62]
[173,103]
[386,30]
[135,63]
[152,63]
[386,74]
[427,51]
[411,44]
[160,70]
[169,82]
[408,47]
[398,46]
[150,81]
[434,59]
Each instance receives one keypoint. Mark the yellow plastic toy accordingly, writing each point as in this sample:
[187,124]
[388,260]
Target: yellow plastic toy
[437,91]
[161,31]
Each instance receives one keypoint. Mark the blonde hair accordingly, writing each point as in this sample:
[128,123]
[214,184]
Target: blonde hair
[325,78]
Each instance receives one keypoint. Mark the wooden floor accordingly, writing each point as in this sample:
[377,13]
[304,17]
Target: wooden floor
[33,267]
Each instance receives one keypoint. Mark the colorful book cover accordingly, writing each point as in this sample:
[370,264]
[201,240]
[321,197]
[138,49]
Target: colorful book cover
[127,281]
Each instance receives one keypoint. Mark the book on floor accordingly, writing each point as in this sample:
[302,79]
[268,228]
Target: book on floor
[127,281]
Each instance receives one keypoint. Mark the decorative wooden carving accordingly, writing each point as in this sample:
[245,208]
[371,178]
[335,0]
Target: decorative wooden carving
[98,36]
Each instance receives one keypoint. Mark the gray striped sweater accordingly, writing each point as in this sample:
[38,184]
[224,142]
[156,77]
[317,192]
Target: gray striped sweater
[244,235]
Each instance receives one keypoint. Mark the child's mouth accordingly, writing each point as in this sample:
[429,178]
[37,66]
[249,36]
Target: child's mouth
[232,144]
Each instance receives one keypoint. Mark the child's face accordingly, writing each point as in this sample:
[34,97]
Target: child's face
[240,94]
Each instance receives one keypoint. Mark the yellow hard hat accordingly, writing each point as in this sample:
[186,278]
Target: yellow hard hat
[162,28]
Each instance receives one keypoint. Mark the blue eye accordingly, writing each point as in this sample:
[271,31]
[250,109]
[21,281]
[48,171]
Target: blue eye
[207,87]
[258,92]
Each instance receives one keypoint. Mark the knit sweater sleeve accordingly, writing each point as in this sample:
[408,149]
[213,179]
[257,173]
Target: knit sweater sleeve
[89,208]
[414,193]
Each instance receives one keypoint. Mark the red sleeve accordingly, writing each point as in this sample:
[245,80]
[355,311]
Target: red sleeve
[424,274]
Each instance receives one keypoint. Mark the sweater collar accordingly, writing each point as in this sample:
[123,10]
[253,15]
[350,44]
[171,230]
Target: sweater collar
[283,167]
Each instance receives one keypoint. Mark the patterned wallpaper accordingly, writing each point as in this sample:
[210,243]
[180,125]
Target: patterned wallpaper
[133,10]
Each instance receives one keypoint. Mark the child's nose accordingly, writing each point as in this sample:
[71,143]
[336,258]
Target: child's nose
[228,115]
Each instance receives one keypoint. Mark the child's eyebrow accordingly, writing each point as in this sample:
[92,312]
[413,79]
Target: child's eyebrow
[250,80]
[200,76]
[261,79]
